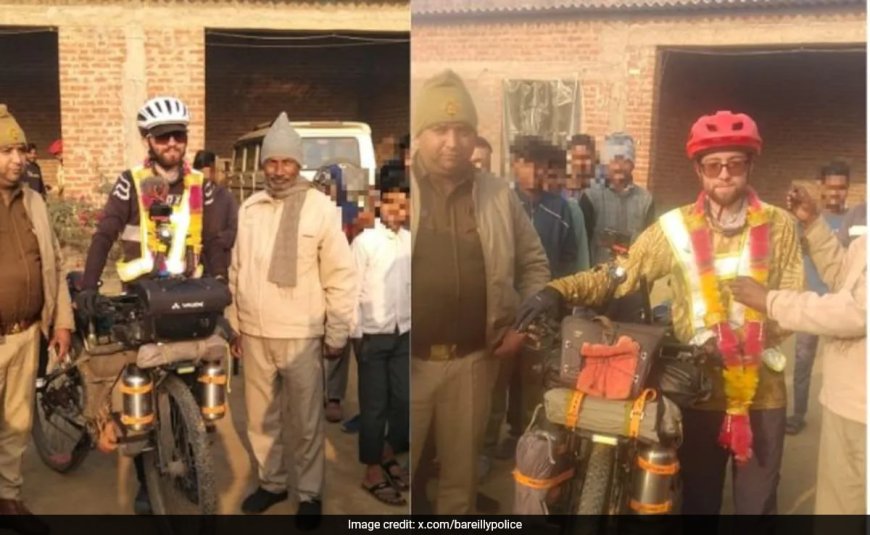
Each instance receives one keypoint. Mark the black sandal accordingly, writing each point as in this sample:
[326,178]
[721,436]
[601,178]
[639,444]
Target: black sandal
[390,498]
[399,481]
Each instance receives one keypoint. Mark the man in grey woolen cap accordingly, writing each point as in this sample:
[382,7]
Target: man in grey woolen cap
[293,280]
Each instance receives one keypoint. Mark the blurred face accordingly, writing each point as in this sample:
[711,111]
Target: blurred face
[724,176]
[168,148]
[209,173]
[394,209]
[446,148]
[281,173]
[582,161]
[619,172]
[529,174]
[482,158]
[554,180]
[31,155]
[835,188]
[12,159]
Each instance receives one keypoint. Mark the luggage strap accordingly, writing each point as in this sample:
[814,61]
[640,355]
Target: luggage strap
[213,380]
[637,411]
[659,469]
[128,419]
[573,412]
[141,389]
[651,508]
[542,484]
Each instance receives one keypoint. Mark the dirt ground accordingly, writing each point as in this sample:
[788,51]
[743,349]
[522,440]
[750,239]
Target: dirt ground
[106,483]
[796,493]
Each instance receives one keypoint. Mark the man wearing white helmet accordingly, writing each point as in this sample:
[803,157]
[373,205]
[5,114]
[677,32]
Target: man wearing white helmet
[163,178]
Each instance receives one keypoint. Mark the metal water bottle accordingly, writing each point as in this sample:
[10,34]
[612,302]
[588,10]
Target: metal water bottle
[212,391]
[652,481]
[136,388]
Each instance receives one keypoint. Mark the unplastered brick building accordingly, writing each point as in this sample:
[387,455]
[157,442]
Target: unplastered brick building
[80,69]
[650,67]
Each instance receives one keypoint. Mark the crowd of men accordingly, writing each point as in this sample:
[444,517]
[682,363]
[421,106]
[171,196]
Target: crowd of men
[491,256]
[305,287]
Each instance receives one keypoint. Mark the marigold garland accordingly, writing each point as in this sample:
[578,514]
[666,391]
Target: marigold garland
[193,186]
[741,358]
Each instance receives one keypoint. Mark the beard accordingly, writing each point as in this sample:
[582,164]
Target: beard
[167,158]
[727,199]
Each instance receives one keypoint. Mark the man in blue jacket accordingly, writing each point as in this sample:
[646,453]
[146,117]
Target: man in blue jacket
[549,212]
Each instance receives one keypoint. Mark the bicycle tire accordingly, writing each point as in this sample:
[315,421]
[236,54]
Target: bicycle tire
[160,484]
[596,481]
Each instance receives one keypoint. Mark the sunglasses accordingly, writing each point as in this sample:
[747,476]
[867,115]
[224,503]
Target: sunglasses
[179,137]
[714,169]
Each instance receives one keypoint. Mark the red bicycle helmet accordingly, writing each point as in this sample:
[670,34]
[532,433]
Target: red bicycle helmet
[723,129]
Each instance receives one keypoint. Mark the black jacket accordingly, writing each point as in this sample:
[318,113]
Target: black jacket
[122,210]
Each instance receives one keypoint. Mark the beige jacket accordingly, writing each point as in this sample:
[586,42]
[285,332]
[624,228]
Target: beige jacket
[515,262]
[56,309]
[839,317]
[323,301]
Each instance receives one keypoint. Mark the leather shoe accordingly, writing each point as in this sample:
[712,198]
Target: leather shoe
[308,515]
[261,499]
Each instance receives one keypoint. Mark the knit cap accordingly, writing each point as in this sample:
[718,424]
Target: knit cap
[10,131]
[282,141]
[444,99]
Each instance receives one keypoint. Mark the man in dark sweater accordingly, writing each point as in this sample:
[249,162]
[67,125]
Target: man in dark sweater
[222,217]
[581,163]
[164,178]
[549,212]
[32,175]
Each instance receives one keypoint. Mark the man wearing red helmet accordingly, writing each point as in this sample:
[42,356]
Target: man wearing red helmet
[728,232]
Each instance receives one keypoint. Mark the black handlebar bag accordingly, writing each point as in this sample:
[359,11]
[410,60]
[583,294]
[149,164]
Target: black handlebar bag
[181,309]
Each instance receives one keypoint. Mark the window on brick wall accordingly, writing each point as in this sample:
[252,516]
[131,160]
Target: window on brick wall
[548,109]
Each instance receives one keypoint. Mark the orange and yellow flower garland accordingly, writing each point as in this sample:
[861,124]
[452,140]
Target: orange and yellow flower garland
[193,184]
[741,359]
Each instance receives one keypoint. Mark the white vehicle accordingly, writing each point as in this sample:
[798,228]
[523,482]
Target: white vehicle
[323,143]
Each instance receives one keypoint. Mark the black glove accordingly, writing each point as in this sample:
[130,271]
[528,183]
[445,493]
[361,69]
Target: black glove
[547,301]
[86,302]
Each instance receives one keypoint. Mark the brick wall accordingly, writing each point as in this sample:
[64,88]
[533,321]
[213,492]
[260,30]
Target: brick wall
[91,74]
[615,58]
[175,60]
[245,87]
[112,55]
[809,108]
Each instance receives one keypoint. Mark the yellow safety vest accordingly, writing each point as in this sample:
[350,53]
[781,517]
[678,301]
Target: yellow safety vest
[180,223]
[727,267]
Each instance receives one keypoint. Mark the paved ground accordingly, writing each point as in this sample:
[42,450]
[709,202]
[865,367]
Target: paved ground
[93,488]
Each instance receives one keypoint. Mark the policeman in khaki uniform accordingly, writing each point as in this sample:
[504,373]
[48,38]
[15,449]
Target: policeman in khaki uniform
[33,300]
[475,253]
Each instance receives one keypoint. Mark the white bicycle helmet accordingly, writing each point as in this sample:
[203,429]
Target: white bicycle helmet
[162,114]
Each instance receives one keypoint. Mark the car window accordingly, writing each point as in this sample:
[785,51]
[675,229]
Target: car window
[319,151]
[237,159]
[250,157]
